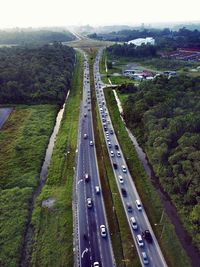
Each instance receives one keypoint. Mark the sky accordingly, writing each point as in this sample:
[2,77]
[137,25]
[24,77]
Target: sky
[42,13]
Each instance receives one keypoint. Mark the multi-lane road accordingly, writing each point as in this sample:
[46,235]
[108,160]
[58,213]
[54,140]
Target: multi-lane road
[94,245]
[149,251]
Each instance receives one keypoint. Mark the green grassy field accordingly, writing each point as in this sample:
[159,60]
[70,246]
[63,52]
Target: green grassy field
[53,226]
[163,229]
[23,142]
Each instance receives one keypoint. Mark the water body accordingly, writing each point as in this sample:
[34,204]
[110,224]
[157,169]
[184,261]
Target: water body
[170,209]
[49,151]
[4,114]
[26,248]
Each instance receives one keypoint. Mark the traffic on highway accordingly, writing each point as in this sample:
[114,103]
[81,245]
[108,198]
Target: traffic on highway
[146,243]
[94,245]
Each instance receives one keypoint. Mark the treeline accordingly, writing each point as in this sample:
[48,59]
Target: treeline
[40,36]
[131,50]
[165,38]
[164,114]
[30,75]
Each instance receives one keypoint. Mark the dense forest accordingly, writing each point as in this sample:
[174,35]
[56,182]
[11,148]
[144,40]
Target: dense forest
[131,50]
[164,114]
[165,38]
[30,75]
[37,36]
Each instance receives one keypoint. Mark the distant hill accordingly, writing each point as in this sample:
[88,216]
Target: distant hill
[34,36]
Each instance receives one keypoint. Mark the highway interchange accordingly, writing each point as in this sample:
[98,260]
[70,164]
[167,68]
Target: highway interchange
[94,248]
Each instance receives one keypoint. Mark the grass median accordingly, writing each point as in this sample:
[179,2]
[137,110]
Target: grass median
[53,225]
[163,229]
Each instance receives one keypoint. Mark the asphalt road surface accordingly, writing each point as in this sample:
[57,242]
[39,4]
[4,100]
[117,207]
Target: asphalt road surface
[92,246]
[149,253]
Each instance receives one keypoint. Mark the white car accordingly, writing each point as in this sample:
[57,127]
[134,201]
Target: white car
[138,204]
[91,143]
[112,153]
[118,154]
[139,240]
[89,202]
[145,258]
[133,223]
[103,230]
[121,180]
[109,144]
[96,264]
[85,136]
[124,168]
[97,189]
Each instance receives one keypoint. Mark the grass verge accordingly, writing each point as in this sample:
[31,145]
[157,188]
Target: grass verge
[53,226]
[162,227]
[23,142]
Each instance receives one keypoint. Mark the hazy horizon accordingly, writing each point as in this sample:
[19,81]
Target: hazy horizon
[62,13]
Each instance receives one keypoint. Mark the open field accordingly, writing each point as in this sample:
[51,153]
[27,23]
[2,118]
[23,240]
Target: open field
[162,227]
[56,249]
[23,141]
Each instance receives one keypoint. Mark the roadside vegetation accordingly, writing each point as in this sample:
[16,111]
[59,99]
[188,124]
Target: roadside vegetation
[23,141]
[53,225]
[164,115]
[35,74]
[159,220]
[40,36]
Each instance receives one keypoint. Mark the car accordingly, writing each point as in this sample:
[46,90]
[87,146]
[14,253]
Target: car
[116,147]
[107,138]
[89,202]
[147,235]
[121,180]
[129,207]
[85,136]
[109,144]
[111,131]
[145,258]
[112,153]
[103,230]
[139,240]
[91,143]
[96,264]
[97,189]
[85,114]
[138,204]
[87,177]
[107,133]
[124,193]
[133,223]
[115,165]
[118,154]
[124,168]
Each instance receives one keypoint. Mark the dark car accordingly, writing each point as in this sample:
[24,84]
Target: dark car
[124,193]
[147,235]
[115,165]
[116,147]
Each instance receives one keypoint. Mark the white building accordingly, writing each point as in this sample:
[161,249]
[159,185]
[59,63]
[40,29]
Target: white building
[140,41]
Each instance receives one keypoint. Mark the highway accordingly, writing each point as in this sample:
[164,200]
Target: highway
[93,249]
[149,252]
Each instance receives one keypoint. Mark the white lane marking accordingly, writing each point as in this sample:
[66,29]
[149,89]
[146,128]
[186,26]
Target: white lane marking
[81,180]
[84,251]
